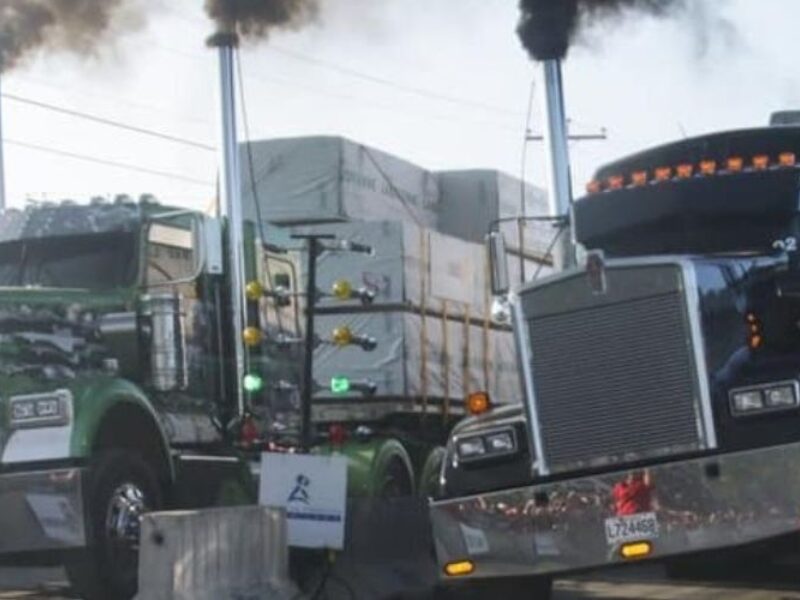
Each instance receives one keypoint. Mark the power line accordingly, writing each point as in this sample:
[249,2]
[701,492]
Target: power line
[110,163]
[109,122]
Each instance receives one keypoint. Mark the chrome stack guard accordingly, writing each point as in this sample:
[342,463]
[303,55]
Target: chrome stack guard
[41,511]
[700,504]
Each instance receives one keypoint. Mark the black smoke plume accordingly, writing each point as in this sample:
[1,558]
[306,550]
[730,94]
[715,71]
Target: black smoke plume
[77,26]
[547,28]
[255,18]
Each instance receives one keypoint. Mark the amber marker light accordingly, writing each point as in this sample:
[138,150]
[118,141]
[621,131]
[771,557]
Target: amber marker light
[253,290]
[459,568]
[636,550]
[734,164]
[615,182]
[639,178]
[787,159]
[252,336]
[663,173]
[760,162]
[478,403]
[594,187]
[708,167]
[684,171]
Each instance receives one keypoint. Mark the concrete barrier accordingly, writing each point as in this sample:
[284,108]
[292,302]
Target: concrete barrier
[238,553]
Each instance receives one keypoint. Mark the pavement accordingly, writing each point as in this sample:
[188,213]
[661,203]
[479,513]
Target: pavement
[639,582]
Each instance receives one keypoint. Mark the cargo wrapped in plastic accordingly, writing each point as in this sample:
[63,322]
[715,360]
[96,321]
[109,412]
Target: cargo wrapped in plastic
[473,199]
[326,179]
[417,358]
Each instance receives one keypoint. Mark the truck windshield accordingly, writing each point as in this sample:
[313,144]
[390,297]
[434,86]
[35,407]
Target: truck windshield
[94,261]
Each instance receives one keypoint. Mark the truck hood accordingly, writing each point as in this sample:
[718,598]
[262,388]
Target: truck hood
[48,335]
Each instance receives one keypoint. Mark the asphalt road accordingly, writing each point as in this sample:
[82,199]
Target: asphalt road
[645,582]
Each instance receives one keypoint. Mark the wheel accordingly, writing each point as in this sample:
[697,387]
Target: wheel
[502,588]
[393,474]
[121,488]
[428,485]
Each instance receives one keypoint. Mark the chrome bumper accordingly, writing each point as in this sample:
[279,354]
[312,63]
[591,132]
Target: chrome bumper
[700,504]
[41,510]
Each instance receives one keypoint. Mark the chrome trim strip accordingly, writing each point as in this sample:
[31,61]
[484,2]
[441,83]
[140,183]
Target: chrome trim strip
[692,297]
[524,352]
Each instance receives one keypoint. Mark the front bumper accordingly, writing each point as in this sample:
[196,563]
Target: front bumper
[41,511]
[700,504]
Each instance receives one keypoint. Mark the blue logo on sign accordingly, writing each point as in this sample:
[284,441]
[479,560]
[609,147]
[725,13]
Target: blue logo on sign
[300,491]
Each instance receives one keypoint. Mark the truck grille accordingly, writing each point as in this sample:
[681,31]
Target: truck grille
[614,374]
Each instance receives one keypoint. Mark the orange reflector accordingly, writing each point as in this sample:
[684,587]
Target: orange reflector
[615,182]
[734,164]
[663,173]
[459,567]
[639,178]
[634,550]
[684,171]
[478,403]
[760,162]
[708,167]
[787,159]
[594,187]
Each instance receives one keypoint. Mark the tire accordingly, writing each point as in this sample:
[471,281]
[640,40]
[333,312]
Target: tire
[393,473]
[428,484]
[502,588]
[121,487]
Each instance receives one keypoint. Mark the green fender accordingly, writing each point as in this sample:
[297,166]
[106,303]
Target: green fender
[367,461]
[95,400]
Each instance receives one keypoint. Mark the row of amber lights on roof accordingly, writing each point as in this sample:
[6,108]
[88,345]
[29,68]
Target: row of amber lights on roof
[733,164]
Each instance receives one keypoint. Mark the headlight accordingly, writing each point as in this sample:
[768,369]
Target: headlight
[486,445]
[471,448]
[40,410]
[765,398]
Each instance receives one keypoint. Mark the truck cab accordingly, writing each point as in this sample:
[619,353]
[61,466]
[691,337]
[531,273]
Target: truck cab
[661,406]
[115,375]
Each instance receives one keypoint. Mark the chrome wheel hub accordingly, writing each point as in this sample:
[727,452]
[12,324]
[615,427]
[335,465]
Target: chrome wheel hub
[125,510]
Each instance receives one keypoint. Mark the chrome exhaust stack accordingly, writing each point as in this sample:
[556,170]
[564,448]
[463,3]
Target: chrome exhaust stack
[230,188]
[556,137]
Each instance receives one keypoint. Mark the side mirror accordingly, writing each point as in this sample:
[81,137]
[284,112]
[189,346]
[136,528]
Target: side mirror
[174,250]
[498,263]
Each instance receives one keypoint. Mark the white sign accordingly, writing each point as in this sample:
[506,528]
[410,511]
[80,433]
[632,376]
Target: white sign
[313,490]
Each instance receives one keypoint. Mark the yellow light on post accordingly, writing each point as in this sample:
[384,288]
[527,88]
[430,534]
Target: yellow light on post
[253,290]
[252,336]
[342,336]
[459,568]
[342,289]
[636,550]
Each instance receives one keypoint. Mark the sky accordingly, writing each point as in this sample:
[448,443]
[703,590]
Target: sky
[442,83]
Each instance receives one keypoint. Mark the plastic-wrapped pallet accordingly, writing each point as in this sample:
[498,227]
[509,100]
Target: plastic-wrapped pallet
[472,199]
[322,179]
[419,358]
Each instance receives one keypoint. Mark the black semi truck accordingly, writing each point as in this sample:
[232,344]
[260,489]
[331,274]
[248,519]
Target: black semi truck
[661,372]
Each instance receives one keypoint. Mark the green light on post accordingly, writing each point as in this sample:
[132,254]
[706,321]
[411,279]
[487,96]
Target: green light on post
[253,383]
[340,385]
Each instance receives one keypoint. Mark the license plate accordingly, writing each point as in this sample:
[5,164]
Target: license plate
[642,526]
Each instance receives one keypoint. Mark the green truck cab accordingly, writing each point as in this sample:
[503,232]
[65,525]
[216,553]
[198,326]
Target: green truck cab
[118,386]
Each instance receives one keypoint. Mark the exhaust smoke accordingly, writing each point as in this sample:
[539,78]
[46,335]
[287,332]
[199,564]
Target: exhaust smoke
[78,26]
[548,28]
[255,18]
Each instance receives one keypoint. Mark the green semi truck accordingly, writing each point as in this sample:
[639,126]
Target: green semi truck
[119,389]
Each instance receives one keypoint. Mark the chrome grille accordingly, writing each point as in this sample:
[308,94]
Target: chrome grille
[614,374]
